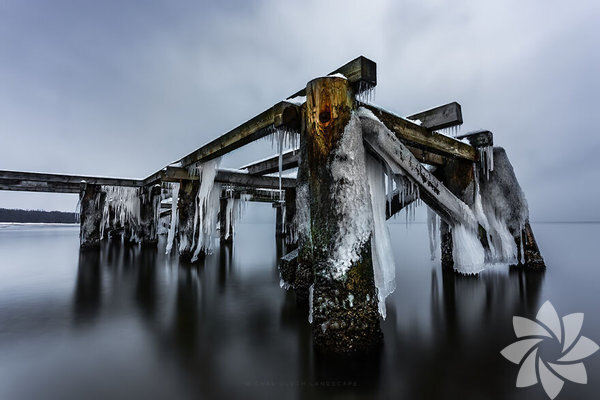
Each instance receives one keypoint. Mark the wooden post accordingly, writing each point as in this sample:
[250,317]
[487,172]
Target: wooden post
[223,222]
[278,219]
[91,205]
[149,204]
[345,314]
[290,229]
[186,206]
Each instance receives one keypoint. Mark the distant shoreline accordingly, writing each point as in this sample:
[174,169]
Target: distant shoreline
[37,216]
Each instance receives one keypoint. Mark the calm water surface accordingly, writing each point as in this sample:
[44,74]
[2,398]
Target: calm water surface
[126,323]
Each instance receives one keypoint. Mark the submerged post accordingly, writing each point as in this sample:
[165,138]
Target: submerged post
[278,219]
[91,205]
[289,226]
[225,232]
[186,207]
[343,297]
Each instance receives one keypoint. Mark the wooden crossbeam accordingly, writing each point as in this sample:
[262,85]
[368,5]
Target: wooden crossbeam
[439,117]
[482,138]
[418,137]
[271,165]
[360,72]
[233,177]
[36,186]
[65,179]
[385,144]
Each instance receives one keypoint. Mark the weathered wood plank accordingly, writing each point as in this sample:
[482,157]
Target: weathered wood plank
[271,165]
[439,117]
[33,186]
[282,114]
[360,71]
[68,179]
[416,136]
[387,146]
[482,138]
[234,177]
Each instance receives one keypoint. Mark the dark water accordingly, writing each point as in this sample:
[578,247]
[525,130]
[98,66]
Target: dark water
[123,323]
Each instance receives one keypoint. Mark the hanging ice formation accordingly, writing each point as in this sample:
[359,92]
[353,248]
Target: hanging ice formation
[206,207]
[384,268]
[433,224]
[233,213]
[452,131]
[121,208]
[366,92]
[486,159]
[174,217]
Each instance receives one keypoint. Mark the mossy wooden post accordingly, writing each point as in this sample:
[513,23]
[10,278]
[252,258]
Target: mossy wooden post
[186,206]
[223,229]
[344,300]
[149,204]
[91,206]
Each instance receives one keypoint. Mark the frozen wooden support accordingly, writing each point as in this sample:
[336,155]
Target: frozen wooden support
[289,223]
[67,181]
[481,138]
[271,165]
[186,207]
[149,208]
[345,314]
[279,209]
[227,176]
[440,117]
[91,203]
[225,232]
[418,137]
[382,142]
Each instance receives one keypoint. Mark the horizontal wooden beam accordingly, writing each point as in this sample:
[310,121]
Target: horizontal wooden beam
[35,186]
[281,115]
[360,72]
[482,138]
[233,177]
[418,137]
[271,165]
[439,117]
[65,179]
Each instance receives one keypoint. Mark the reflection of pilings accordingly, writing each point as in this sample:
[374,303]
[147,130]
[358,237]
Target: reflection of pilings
[223,228]
[88,287]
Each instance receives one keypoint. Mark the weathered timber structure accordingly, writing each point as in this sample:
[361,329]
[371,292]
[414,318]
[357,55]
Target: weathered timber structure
[326,213]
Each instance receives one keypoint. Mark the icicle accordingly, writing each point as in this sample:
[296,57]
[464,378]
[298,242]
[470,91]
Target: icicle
[384,267]
[486,159]
[432,229]
[174,218]
[366,92]
[125,202]
[310,303]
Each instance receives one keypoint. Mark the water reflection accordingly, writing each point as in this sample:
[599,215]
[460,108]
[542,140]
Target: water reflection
[232,332]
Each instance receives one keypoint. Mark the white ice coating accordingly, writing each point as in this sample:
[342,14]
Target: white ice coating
[486,159]
[467,252]
[351,193]
[206,208]
[366,92]
[384,267]
[233,213]
[174,218]
[452,131]
[125,203]
[433,231]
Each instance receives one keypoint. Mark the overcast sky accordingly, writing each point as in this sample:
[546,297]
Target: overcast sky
[120,88]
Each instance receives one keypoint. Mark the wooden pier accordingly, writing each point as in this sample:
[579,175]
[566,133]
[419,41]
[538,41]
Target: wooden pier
[442,171]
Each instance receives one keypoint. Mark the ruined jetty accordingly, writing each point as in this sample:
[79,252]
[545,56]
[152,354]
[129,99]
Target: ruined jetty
[357,166]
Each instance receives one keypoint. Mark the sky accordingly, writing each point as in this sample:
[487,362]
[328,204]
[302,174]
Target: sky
[122,88]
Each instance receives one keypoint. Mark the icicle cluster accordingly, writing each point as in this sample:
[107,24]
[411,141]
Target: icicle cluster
[174,216]
[384,267]
[233,213]
[206,208]
[124,203]
[486,159]
[366,92]
[452,131]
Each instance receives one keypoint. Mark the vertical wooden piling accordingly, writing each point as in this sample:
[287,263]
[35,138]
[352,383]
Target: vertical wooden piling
[344,308]
[278,219]
[91,205]
[223,229]
[289,226]
[149,203]
[186,206]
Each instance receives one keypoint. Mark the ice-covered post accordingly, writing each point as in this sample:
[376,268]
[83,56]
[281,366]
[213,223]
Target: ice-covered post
[149,208]
[278,219]
[224,230]
[91,206]
[344,300]
[186,206]
[291,235]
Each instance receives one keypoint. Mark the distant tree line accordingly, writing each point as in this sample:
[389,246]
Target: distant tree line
[11,215]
